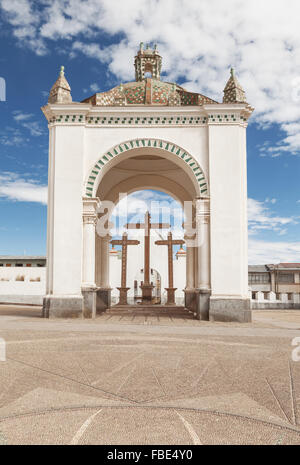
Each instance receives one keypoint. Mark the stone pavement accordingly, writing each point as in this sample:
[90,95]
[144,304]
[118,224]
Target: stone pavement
[148,380]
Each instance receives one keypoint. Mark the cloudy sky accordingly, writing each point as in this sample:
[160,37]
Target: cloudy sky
[199,40]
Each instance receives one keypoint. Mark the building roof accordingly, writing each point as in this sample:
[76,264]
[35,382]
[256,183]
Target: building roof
[149,91]
[285,266]
[258,269]
[22,257]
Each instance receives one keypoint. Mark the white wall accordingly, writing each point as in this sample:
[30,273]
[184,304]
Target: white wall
[28,291]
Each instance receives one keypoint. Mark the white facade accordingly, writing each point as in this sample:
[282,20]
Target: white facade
[108,145]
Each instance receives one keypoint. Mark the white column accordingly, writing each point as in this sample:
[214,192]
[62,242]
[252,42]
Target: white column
[98,245]
[203,235]
[105,262]
[88,252]
[88,271]
[189,268]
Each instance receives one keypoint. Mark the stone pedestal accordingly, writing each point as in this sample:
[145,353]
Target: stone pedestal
[89,302]
[190,300]
[171,295]
[62,306]
[123,295]
[103,300]
[147,293]
[230,309]
[203,305]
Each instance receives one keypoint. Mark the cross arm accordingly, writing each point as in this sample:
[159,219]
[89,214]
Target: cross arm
[161,242]
[160,225]
[135,226]
[116,242]
[133,242]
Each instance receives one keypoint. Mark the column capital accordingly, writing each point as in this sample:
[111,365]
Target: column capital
[89,218]
[202,205]
[90,205]
[89,210]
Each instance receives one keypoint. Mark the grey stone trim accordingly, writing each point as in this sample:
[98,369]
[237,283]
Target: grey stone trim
[62,307]
[230,310]
[103,300]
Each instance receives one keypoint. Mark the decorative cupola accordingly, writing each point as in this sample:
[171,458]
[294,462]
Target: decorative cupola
[233,92]
[113,252]
[61,91]
[147,61]
[180,253]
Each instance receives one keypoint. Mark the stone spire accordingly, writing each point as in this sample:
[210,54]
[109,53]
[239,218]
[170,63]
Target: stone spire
[147,61]
[233,92]
[61,91]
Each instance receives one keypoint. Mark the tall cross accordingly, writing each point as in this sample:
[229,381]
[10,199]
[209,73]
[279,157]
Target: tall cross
[124,242]
[147,226]
[170,242]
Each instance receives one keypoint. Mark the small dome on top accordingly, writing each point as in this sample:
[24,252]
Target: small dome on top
[148,89]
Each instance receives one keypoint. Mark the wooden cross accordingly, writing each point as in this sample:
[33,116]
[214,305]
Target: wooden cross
[147,225]
[170,242]
[124,242]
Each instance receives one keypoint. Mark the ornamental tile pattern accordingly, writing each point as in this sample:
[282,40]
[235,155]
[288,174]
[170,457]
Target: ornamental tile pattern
[148,92]
[90,187]
[188,120]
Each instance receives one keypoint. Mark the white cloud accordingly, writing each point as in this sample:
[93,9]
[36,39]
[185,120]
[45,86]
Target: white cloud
[132,208]
[268,200]
[19,116]
[13,140]
[24,120]
[263,252]
[199,41]
[15,187]
[25,18]
[261,218]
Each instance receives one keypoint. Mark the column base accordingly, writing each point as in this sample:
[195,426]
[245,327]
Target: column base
[103,300]
[123,295]
[62,306]
[190,300]
[229,309]
[171,295]
[203,310]
[147,293]
[89,302]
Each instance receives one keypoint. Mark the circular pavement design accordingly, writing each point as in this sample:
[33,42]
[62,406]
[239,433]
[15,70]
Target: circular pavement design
[129,424]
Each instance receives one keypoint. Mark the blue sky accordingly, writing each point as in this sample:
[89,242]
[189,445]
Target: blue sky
[199,40]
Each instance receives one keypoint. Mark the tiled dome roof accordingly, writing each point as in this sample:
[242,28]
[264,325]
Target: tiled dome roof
[148,92]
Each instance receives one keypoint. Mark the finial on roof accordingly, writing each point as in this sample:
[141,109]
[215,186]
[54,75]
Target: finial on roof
[147,61]
[155,46]
[60,91]
[233,92]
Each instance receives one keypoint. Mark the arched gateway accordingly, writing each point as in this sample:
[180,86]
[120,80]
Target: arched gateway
[148,134]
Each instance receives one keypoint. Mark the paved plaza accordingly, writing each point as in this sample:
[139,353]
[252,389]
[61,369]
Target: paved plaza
[137,379]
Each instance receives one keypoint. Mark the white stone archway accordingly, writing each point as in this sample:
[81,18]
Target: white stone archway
[199,150]
[169,169]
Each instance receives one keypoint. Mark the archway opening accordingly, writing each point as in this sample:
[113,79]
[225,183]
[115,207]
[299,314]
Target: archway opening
[166,211]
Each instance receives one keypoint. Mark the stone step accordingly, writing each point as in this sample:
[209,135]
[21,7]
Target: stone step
[151,310]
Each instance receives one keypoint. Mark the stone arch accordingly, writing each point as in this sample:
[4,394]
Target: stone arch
[91,185]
